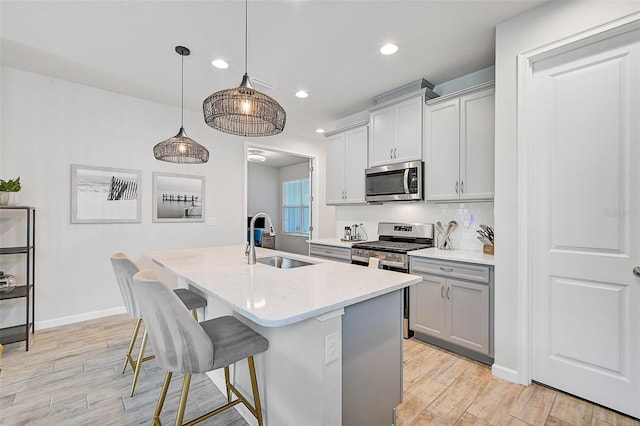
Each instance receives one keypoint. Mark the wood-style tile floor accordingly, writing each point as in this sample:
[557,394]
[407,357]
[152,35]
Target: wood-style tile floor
[71,376]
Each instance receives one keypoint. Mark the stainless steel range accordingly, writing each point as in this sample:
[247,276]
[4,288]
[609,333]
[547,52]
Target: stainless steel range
[395,241]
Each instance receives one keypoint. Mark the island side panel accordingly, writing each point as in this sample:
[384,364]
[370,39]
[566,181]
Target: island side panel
[297,386]
[372,360]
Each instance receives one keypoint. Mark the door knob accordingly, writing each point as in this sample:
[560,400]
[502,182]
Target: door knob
[636,271]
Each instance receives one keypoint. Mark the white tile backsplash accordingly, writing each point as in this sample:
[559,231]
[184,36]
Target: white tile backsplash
[468,215]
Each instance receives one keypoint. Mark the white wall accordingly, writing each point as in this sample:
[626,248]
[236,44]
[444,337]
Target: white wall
[293,243]
[263,184]
[49,124]
[548,23]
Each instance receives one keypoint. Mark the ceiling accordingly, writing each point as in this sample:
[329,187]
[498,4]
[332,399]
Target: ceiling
[328,48]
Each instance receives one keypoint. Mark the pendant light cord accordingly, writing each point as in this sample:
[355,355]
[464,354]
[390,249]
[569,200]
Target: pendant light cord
[246,36]
[182,94]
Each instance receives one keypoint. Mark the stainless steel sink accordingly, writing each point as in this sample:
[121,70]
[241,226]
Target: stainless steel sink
[283,262]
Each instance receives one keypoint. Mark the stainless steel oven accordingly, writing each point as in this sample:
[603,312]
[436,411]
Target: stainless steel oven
[395,241]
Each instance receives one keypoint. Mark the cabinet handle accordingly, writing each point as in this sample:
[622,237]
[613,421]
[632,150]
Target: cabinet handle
[462,187]
[456,187]
[448,292]
[636,271]
[442,292]
[442,268]
[391,153]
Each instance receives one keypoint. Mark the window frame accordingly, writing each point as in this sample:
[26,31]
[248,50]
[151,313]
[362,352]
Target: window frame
[301,206]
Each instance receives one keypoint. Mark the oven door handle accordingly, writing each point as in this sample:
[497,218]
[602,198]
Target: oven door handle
[400,265]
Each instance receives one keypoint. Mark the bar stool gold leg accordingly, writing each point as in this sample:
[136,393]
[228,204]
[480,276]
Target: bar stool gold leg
[183,399]
[227,382]
[254,386]
[128,359]
[141,359]
[163,395]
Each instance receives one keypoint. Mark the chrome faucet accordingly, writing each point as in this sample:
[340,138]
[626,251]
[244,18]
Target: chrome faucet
[250,250]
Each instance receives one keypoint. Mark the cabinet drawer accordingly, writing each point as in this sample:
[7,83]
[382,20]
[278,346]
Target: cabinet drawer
[477,273]
[331,253]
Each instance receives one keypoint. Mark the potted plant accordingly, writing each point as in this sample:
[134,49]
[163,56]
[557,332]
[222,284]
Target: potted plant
[9,191]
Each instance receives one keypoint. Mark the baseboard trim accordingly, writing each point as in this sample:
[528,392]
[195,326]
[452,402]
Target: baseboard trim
[505,373]
[71,319]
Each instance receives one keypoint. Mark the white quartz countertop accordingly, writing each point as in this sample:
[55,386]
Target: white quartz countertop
[275,297]
[333,242]
[469,256]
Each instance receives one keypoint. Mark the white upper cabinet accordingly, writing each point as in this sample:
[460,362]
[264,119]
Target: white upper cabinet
[346,163]
[459,146]
[396,132]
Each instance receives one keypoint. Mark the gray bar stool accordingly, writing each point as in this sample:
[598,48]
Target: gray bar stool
[125,269]
[185,346]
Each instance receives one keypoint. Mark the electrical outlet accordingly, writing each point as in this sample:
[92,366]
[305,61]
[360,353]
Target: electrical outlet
[332,347]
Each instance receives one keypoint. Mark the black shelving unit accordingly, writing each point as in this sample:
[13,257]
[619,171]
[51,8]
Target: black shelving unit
[26,290]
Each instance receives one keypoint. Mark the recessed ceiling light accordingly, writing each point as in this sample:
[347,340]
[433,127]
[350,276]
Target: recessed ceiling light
[389,49]
[256,158]
[220,63]
[320,130]
[302,94]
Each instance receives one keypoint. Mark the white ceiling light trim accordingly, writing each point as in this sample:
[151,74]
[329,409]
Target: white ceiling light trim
[256,158]
[302,94]
[320,130]
[220,64]
[389,49]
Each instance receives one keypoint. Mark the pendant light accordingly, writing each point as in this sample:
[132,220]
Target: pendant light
[244,111]
[181,148]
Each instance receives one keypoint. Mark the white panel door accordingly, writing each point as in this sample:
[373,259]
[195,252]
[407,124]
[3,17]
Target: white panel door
[336,169]
[586,222]
[442,151]
[356,163]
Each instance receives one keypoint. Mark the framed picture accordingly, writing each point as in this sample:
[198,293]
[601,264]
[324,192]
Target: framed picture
[178,198]
[104,195]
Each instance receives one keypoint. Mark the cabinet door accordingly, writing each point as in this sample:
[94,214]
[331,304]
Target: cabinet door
[468,315]
[477,141]
[442,137]
[408,131]
[336,160]
[427,307]
[381,142]
[356,163]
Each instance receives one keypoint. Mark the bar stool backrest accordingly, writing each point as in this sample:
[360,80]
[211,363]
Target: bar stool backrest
[125,269]
[179,342]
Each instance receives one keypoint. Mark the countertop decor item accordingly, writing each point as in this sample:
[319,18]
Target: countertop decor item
[9,191]
[181,148]
[444,236]
[244,111]
[486,236]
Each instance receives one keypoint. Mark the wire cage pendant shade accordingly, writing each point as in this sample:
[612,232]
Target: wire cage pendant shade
[181,148]
[244,111]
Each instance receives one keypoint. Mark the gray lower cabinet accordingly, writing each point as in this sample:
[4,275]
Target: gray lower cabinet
[453,306]
[339,254]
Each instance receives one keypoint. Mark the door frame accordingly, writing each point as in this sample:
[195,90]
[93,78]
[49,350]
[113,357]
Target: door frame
[525,63]
[313,210]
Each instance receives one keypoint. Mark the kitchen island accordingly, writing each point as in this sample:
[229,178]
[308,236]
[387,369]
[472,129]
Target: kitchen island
[334,331]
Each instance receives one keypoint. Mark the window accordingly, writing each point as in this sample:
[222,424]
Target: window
[295,206]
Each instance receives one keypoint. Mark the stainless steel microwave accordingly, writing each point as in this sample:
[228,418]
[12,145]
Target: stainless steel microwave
[394,182]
